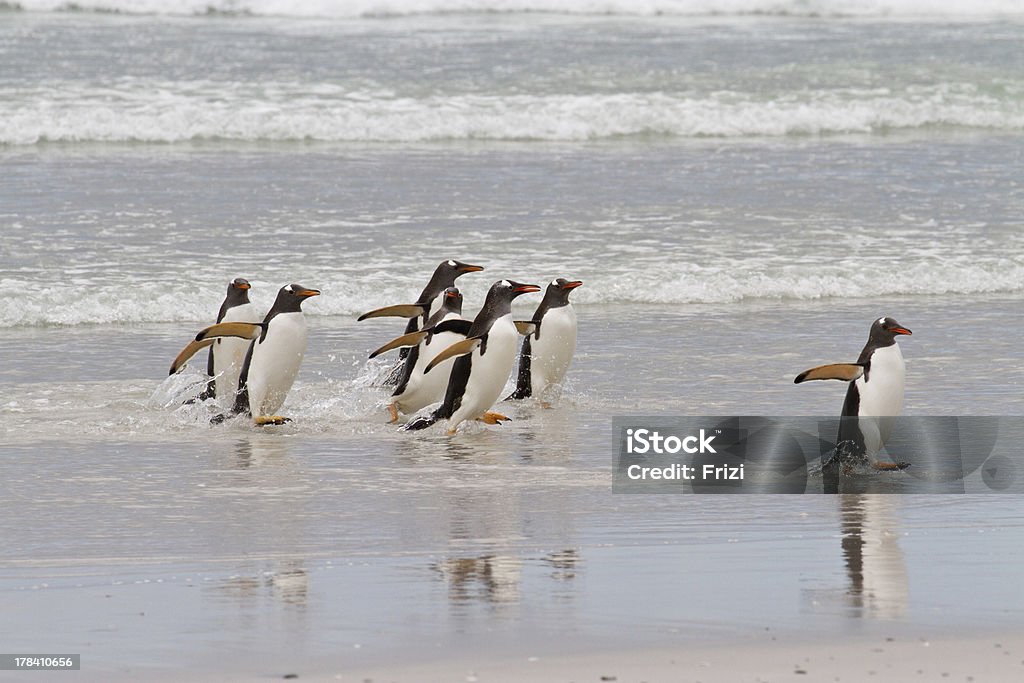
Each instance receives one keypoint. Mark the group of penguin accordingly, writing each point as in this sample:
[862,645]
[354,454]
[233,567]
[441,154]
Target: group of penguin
[465,364]
[444,357]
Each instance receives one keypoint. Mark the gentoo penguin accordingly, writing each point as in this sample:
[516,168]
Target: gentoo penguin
[444,277]
[445,327]
[227,354]
[418,313]
[273,359]
[547,352]
[484,360]
[875,394]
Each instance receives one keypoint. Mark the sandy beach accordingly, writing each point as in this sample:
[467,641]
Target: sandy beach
[993,657]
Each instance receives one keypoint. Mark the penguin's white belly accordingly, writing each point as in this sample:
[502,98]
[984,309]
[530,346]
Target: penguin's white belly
[275,363]
[881,396]
[552,354]
[490,371]
[229,352]
[423,389]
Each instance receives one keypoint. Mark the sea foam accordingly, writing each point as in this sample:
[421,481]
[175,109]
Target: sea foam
[167,112]
[678,284]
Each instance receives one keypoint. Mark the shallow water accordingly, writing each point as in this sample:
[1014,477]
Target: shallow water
[263,550]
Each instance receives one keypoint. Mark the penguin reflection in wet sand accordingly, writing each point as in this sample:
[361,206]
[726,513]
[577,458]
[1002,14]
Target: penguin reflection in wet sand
[547,352]
[273,359]
[227,354]
[875,394]
[417,389]
[484,361]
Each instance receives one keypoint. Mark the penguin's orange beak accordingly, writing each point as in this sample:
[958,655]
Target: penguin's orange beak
[900,330]
[466,268]
[452,295]
[572,285]
[308,292]
[243,285]
[526,289]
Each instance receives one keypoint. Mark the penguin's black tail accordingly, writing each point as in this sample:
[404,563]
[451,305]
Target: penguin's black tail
[421,423]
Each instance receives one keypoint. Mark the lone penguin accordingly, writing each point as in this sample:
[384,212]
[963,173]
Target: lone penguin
[874,397]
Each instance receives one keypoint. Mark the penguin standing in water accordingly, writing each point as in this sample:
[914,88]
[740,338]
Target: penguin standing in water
[874,397]
[430,298]
[445,327]
[227,354]
[418,313]
[275,353]
[547,352]
[484,361]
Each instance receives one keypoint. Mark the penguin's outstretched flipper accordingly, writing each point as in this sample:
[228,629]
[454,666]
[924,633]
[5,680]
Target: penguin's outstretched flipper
[411,339]
[847,372]
[192,349]
[396,311]
[209,335]
[457,349]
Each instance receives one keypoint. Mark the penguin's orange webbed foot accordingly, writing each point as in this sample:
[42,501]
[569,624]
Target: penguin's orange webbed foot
[393,411]
[493,418]
[890,466]
[264,420]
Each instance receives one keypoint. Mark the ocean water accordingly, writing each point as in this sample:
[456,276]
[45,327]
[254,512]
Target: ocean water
[743,186]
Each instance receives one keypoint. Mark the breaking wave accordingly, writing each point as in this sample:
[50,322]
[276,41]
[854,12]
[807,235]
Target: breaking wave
[168,112]
[166,302]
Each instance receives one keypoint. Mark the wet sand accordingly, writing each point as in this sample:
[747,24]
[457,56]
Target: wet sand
[976,657]
[973,657]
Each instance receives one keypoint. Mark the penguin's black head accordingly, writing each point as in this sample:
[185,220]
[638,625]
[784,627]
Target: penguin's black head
[444,276]
[510,289]
[884,331]
[558,291]
[452,299]
[238,292]
[290,297]
[448,270]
